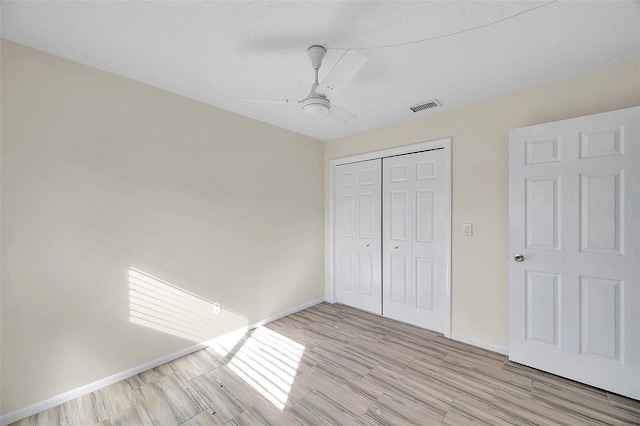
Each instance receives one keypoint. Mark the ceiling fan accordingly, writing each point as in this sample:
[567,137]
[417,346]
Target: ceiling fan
[317,103]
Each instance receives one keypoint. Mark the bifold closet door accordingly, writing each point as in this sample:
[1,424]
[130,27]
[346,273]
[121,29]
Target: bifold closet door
[414,250]
[358,236]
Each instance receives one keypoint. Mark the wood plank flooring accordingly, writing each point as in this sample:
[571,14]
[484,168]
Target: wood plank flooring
[331,364]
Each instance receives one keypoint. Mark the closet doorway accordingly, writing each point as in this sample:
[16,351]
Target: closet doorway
[390,233]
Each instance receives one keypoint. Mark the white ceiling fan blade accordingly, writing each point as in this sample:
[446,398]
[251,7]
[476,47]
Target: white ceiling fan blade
[342,72]
[271,101]
[341,115]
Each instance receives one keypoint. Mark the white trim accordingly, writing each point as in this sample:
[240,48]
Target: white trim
[285,313]
[406,149]
[479,344]
[99,384]
[448,232]
[330,293]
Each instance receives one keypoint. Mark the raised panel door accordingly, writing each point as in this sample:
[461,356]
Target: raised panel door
[414,248]
[574,217]
[358,235]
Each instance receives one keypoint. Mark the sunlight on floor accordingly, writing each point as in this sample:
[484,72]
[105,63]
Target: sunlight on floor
[265,359]
[268,361]
[164,307]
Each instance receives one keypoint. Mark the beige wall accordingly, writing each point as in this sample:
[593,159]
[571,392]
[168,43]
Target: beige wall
[100,174]
[480,178]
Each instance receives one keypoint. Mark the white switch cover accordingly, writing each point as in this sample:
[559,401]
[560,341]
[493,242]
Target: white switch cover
[217,309]
[468,230]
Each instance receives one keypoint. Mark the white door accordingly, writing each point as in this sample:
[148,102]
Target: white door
[414,246]
[358,235]
[574,218]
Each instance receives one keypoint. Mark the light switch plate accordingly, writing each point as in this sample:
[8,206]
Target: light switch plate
[468,230]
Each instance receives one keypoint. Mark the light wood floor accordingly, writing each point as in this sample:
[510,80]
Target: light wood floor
[331,364]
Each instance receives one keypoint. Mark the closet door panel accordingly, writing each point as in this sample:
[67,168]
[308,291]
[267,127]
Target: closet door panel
[369,292]
[346,219]
[358,235]
[414,287]
[428,240]
[397,268]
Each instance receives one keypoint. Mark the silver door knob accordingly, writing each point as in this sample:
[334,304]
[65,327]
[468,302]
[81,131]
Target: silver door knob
[518,258]
[368,245]
[396,247]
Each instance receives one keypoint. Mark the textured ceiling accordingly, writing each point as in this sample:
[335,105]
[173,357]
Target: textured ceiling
[220,52]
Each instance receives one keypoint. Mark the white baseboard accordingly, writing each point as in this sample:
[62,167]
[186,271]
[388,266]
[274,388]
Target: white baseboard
[99,384]
[478,343]
[285,313]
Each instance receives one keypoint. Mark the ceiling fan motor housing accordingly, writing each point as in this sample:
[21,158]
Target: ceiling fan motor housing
[316,105]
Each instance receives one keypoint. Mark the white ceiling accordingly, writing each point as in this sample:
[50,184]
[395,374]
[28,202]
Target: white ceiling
[219,52]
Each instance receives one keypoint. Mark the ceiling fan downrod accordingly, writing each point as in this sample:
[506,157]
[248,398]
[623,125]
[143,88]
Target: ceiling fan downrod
[315,103]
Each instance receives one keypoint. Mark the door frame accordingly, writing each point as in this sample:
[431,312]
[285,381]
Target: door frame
[330,288]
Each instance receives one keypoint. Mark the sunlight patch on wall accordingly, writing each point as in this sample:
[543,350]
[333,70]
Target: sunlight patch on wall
[165,307]
[268,361]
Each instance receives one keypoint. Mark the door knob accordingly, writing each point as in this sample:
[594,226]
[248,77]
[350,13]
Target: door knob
[397,247]
[368,245]
[518,258]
